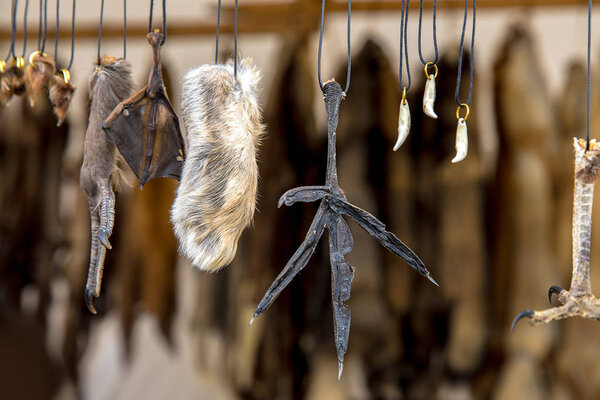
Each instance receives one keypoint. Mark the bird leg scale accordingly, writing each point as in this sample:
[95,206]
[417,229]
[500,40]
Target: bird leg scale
[578,300]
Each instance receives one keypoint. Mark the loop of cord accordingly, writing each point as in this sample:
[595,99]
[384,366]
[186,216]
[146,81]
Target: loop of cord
[435,47]
[349,71]
[404,44]
[460,56]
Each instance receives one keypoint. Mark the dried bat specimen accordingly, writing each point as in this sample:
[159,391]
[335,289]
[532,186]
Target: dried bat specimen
[332,208]
[578,300]
[61,93]
[38,73]
[403,122]
[145,128]
[12,79]
[217,194]
[109,84]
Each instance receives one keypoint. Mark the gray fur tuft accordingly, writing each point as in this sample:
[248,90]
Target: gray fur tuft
[217,193]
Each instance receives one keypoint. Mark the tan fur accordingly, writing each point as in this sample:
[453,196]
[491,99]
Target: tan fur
[217,194]
[12,82]
[37,76]
[60,95]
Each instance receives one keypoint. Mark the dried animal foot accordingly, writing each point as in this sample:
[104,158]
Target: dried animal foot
[329,215]
[103,219]
[61,93]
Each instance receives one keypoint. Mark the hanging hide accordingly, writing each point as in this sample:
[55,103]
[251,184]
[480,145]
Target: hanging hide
[145,128]
[109,84]
[38,73]
[217,194]
[61,93]
[12,80]
[523,255]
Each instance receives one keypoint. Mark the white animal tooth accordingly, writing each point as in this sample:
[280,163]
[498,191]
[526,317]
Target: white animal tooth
[462,141]
[403,123]
[429,97]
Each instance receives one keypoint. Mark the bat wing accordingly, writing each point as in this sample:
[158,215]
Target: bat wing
[146,132]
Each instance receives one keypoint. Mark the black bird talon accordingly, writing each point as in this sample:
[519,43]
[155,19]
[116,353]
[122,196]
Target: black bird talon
[554,290]
[89,301]
[526,313]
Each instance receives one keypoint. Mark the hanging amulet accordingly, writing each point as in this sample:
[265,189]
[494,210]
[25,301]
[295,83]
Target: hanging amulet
[403,121]
[429,94]
[462,137]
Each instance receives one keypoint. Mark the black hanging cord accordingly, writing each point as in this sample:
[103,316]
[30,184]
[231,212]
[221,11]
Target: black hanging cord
[164,22]
[404,44]
[124,28]
[100,30]
[218,25]
[349,71]
[45,26]
[72,36]
[460,56]
[435,47]
[41,21]
[13,33]
[235,40]
[25,28]
[589,76]
[56,33]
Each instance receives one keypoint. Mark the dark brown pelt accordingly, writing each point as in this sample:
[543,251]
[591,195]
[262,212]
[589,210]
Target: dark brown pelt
[37,76]
[12,82]
[61,93]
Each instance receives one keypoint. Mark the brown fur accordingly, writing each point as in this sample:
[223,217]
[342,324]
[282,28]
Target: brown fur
[12,82]
[109,84]
[217,194]
[37,76]
[60,94]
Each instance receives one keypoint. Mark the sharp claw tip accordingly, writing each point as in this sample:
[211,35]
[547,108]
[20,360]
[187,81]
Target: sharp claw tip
[340,370]
[104,240]
[554,290]
[89,301]
[432,280]
[526,313]
[251,320]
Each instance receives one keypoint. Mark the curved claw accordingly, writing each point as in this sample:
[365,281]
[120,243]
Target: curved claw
[103,237]
[526,313]
[554,290]
[89,301]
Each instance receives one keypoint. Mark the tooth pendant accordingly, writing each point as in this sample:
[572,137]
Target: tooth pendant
[429,97]
[403,123]
[462,141]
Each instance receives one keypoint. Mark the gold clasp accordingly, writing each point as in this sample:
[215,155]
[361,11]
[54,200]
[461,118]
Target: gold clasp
[19,62]
[466,107]
[33,56]
[66,75]
[435,69]
[403,95]
[2,66]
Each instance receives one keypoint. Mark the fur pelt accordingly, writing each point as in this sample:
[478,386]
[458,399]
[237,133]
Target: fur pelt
[109,84]
[12,81]
[37,76]
[60,95]
[217,194]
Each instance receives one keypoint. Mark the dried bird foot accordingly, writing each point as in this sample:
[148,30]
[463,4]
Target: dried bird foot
[584,305]
[103,219]
[330,215]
